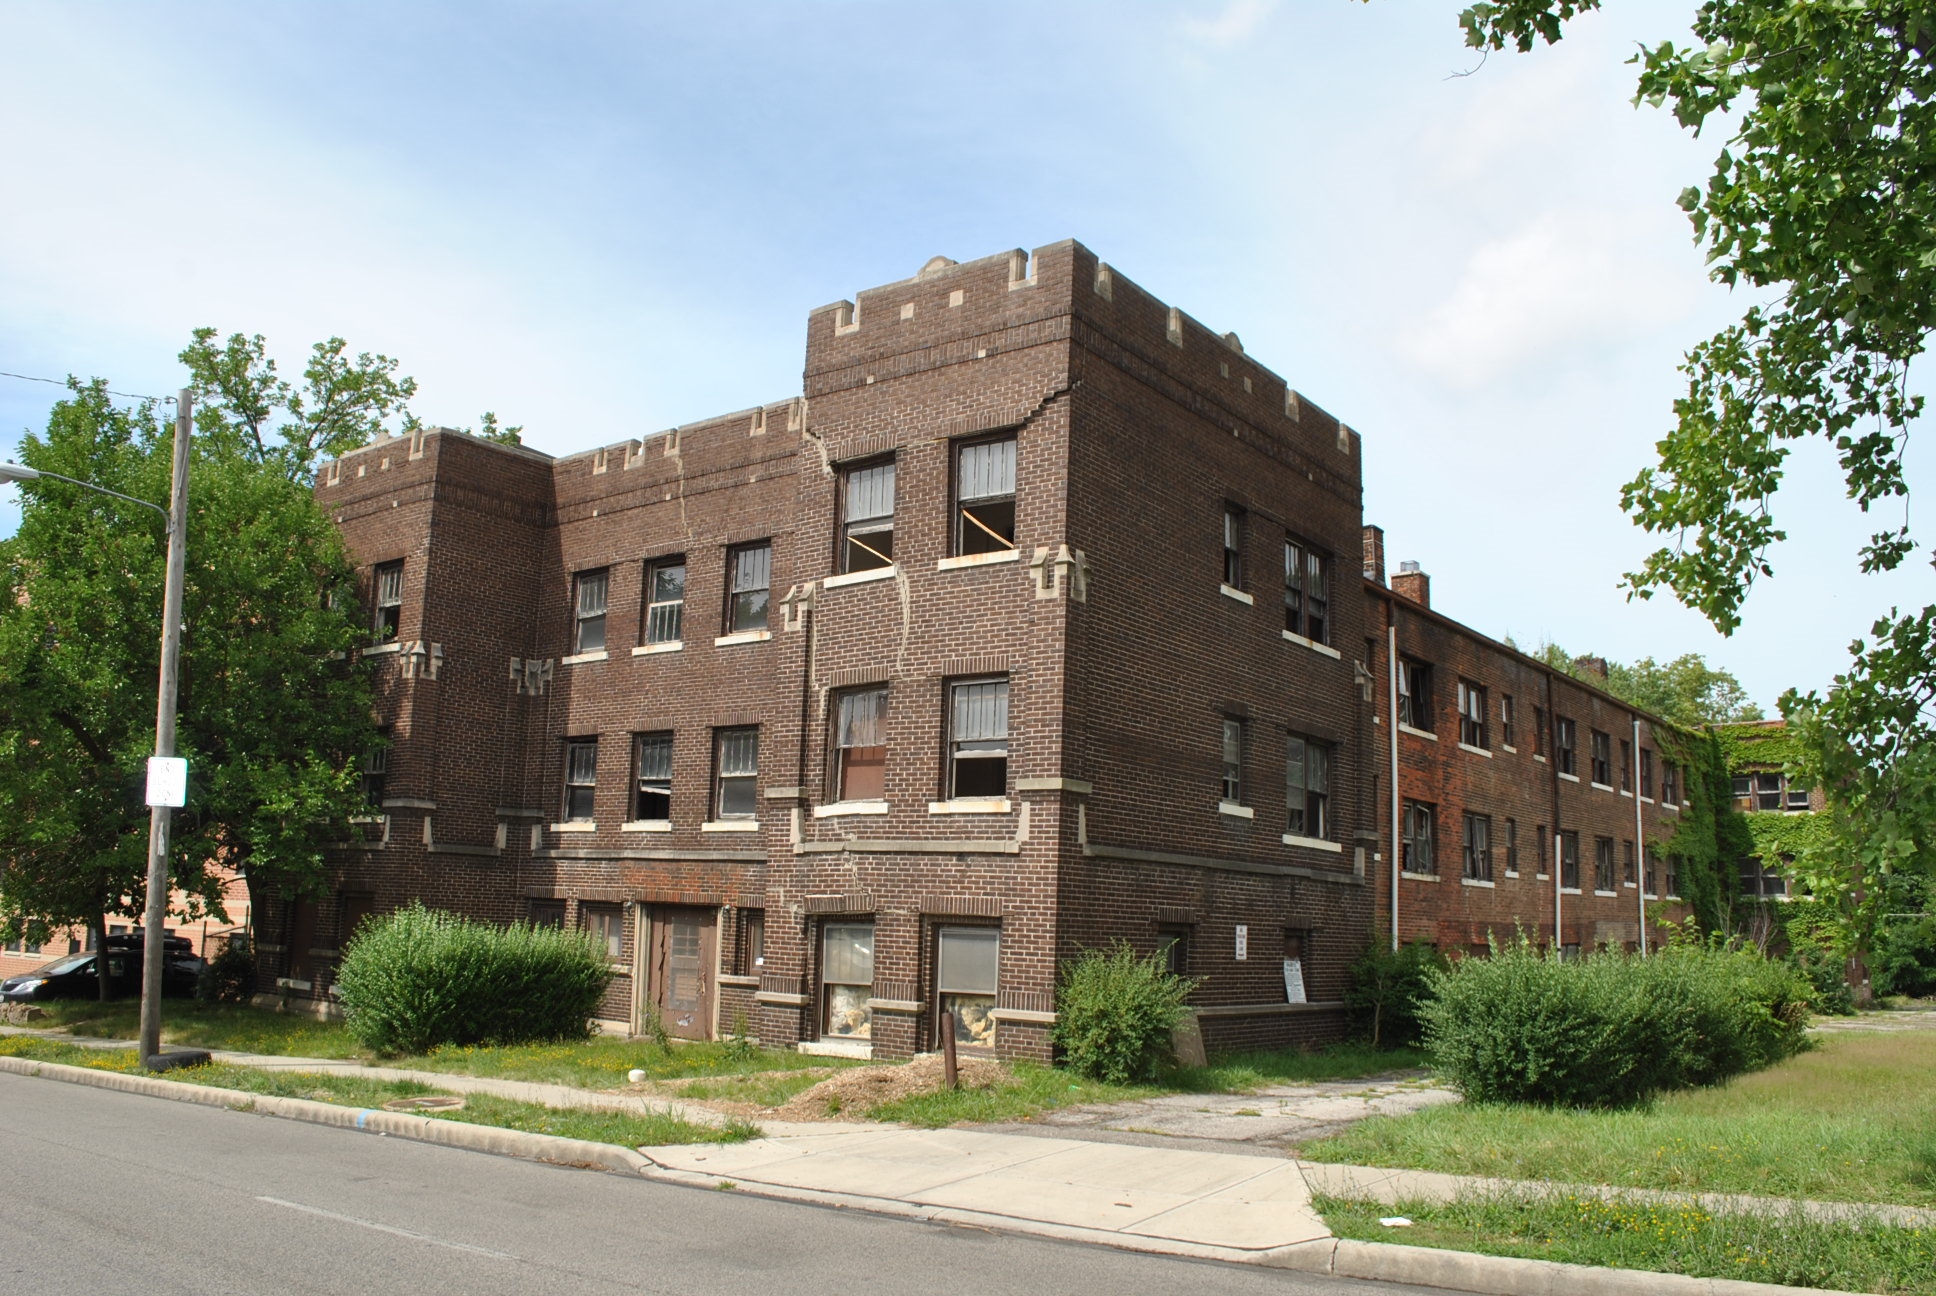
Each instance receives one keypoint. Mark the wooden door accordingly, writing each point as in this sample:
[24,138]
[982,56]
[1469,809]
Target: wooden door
[685,954]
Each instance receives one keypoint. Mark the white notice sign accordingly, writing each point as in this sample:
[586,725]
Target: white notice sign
[1293,981]
[167,781]
[1243,942]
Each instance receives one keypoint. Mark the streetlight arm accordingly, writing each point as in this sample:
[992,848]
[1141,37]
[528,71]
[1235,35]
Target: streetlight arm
[20,472]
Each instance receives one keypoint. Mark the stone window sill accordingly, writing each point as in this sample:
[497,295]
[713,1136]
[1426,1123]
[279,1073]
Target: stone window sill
[378,650]
[576,825]
[851,1048]
[1477,882]
[1417,733]
[1235,811]
[1570,778]
[1313,843]
[977,560]
[1611,895]
[579,659]
[1230,592]
[837,809]
[861,577]
[1476,751]
[1316,647]
[670,645]
[743,637]
[647,825]
[1512,873]
[730,825]
[1541,759]
[1601,787]
[1626,794]
[970,805]
[1418,877]
[1508,747]
[1567,890]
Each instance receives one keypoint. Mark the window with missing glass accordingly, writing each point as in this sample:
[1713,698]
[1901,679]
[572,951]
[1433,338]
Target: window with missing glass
[978,738]
[984,519]
[1415,694]
[860,745]
[652,798]
[1565,741]
[1173,949]
[376,768]
[1670,783]
[1233,761]
[1506,736]
[604,923]
[867,517]
[1233,546]
[1539,731]
[1602,758]
[736,765]
[1472,714]
[1603,879]
[581,779]
[1478,847]
[388,582]
[1307,787]
[1418,828]
[1627,877]
[749,581]
[589,591]
[846,980]
[967,961]
[1626,765]
[665,600]
[1569,847]
[1307,592]
[1512,846]
[1650,858]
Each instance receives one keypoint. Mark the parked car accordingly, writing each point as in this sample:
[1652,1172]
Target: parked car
[76,976]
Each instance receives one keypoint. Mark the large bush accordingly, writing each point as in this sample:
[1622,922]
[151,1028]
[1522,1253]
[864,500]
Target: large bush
[1114,1013]
[1610,1029]
[419,978]
[1388,987]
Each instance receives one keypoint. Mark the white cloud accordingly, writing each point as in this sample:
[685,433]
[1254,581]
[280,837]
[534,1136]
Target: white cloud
[1565,278]
[1239,20]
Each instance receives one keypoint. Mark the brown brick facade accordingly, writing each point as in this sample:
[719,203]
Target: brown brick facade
[1157,697]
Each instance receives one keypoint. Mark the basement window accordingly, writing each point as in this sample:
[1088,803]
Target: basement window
[665,600]
[985,497]
[604,923]
[652,800]
[1307,603]
[967,960]
[389,600]
[581,779]
[867,524]
[978,739]
[749,580]
[590,589]
[860,745]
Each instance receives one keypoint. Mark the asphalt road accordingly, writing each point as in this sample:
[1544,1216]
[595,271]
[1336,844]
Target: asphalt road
[114,1193]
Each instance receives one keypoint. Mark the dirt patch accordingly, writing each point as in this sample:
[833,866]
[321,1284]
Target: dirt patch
[858,1090]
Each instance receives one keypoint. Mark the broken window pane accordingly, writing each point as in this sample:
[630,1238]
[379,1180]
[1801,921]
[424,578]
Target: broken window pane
[985,497]
[654,800]
[868,541]
[978,739]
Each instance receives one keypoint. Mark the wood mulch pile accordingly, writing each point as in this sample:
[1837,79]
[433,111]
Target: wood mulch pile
[858,1090]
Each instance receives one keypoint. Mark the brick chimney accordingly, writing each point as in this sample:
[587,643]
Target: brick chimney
[1375,554]
[1413,584]
[1590,666]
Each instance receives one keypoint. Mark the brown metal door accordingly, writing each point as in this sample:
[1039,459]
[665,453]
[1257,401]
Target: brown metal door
[685,944]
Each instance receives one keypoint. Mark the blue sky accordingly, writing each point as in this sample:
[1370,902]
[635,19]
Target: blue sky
[603,220]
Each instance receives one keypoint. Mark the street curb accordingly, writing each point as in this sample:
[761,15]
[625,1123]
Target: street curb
[1340,1257]
[424,1129]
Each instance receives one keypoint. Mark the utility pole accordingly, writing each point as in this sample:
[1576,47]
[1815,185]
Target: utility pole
[160,816]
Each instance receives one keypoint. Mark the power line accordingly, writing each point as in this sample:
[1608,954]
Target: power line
[62,382]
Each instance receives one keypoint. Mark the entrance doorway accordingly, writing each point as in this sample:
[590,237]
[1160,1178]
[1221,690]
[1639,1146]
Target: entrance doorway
[685,953]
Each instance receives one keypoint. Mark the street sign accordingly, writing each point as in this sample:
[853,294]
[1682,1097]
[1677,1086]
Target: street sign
[167,781]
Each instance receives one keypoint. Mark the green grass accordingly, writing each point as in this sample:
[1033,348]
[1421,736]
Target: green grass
[1782,1247]
[623,1128]
[193,1024]
[1852,1120]
[1036,1089]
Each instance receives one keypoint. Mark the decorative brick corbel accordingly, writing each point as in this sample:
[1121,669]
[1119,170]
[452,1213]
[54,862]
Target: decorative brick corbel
[796,605]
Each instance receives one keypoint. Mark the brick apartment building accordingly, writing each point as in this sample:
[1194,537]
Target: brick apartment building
[1029,626]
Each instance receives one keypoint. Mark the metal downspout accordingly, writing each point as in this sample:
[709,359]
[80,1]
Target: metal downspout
[1640,842]
[1391,681]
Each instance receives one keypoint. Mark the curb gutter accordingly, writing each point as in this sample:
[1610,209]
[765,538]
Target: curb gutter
[1341,1257]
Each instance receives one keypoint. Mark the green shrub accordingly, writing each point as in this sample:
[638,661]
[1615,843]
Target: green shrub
[1114,1012]
[1610,1029]
[419,978]
[229,977]
[1387,989]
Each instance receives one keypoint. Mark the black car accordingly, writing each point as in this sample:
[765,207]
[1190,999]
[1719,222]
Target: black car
[76,977]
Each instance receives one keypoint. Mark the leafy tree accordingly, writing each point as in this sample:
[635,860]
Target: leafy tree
[274,702]
[1823,201]
[1686,690]
[489,430]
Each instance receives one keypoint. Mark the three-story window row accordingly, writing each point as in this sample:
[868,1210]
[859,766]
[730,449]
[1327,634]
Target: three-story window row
[736,770]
